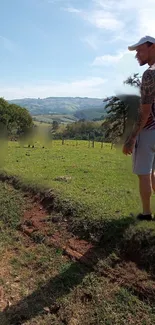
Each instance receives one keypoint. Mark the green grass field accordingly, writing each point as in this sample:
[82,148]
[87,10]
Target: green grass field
[94,187]
[97,179]
[39,285]
[42,124]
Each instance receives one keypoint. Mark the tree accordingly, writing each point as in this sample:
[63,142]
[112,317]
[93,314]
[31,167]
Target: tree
[116,119]
[55,125]
[14,118]
[118,113]
[134,80]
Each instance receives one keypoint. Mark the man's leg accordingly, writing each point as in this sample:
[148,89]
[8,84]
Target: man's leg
[153,174]
[153,180]
[143,164]
[145,189]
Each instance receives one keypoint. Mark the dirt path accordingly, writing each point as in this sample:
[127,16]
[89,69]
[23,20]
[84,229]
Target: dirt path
[53,232]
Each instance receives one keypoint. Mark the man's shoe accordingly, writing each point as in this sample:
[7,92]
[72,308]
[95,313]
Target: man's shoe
[143,217]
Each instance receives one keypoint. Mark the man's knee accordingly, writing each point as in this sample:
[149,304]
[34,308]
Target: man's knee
[146,179]
[145,183]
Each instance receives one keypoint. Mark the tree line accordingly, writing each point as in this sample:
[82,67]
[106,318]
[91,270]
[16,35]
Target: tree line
[81,130]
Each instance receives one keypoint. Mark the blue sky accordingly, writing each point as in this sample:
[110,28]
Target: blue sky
[70,47]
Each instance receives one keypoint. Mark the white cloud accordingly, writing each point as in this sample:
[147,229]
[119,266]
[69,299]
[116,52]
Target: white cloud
[99,18]
[127,19]
[118,69]
[147,21]
[108,59]
[117,6]
[89,87]
[103,20]
[118,23]
[54,1]
[73,10]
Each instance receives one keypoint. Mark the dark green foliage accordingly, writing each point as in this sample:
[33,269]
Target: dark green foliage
[14,118]
[118,112]
[55,125]
[83,130]
[134,80]
[115,122]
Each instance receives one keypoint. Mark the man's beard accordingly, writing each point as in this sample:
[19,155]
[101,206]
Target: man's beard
[142,63]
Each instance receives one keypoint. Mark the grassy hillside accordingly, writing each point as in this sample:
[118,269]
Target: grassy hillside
[59,105]
[90,114]
[40,285]
[60,118]
[50,273]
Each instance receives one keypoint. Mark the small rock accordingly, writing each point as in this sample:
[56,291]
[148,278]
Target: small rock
[47,309]
[9,304]
[63,178]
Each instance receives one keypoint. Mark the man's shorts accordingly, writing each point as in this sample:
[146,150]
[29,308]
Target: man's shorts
[144,153]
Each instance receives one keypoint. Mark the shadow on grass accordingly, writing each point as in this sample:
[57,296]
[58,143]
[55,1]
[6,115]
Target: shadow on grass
[61,285]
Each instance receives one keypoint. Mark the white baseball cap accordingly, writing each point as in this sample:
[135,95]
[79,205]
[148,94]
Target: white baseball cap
[143,40]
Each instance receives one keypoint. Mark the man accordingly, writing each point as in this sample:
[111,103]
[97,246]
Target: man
[141,142]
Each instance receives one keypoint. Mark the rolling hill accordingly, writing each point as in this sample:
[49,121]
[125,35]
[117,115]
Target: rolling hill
[87,108]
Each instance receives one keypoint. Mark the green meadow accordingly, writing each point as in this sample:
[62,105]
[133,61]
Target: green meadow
[99,180]
[39,282]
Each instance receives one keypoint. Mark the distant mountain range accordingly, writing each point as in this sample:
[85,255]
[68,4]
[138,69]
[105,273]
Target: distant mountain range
[86,108]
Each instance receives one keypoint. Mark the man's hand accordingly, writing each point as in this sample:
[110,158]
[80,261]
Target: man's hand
[128,146]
